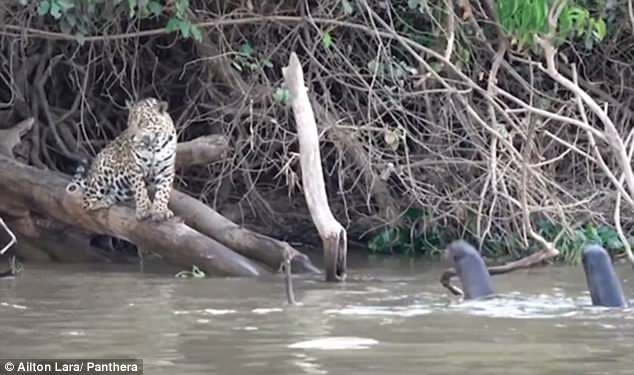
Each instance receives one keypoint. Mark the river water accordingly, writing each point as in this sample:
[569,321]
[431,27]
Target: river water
[390,317]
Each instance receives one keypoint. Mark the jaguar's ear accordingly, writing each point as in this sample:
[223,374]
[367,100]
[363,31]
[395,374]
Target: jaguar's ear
[162,105]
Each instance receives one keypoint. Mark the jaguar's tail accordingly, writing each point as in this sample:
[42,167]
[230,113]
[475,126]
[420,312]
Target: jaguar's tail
[79,179]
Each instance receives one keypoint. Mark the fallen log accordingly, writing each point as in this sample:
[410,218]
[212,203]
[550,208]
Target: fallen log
[45,193]
[264,249]
[42,239]
[201,151]
[332,233]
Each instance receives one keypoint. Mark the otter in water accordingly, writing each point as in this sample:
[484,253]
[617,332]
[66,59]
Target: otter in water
[605,287]
[471,270]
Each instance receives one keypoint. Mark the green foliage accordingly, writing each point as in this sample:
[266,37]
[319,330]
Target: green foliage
[195,273]
[404,239]
[525,19]
[282,95]
[410,238]
[186,29]
[84,17]
[248,59]
[571,244]
[347,7]
[327,40]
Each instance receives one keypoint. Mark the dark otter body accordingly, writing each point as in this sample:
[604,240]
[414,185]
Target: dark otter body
[605,287]
[471,270]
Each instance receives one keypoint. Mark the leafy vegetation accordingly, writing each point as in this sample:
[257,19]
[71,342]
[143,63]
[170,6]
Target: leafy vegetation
[84,17]
[407,238]
[248,59]
[525,19]
[411,241]
[570,244]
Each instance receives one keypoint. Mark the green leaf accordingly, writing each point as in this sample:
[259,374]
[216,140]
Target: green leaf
[197,34]
[56,10]
[172,25]
[414,213]
[43,8]
[155,7]
[384,241]
[181,8]
[613,243]
[246,50]
[65,4]
[347,7]
[185,28]
[600,29]
[282,95]
[327,40]
[131,6]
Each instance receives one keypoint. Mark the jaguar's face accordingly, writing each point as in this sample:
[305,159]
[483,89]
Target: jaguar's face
[144,112]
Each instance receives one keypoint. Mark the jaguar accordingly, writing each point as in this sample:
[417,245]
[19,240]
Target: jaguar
[137,165]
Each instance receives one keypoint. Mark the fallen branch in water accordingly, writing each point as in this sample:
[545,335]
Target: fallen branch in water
[333,234]
[526,262]
[288,279]
[264,249]
[44,192]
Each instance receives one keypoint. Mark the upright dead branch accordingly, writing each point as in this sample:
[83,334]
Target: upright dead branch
[333,234]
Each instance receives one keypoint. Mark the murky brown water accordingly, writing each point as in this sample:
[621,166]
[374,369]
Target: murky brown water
[391,317]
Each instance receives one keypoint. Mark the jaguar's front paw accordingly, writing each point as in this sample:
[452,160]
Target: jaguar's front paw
[143,214]
[162,215]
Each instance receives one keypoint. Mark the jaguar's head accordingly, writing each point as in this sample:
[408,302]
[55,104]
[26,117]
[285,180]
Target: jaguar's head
[143,108]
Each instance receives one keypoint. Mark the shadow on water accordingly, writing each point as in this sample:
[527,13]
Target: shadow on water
[391,316]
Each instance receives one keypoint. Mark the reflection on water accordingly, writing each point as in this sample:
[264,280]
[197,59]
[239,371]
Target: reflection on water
[335,343]
[391,316]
